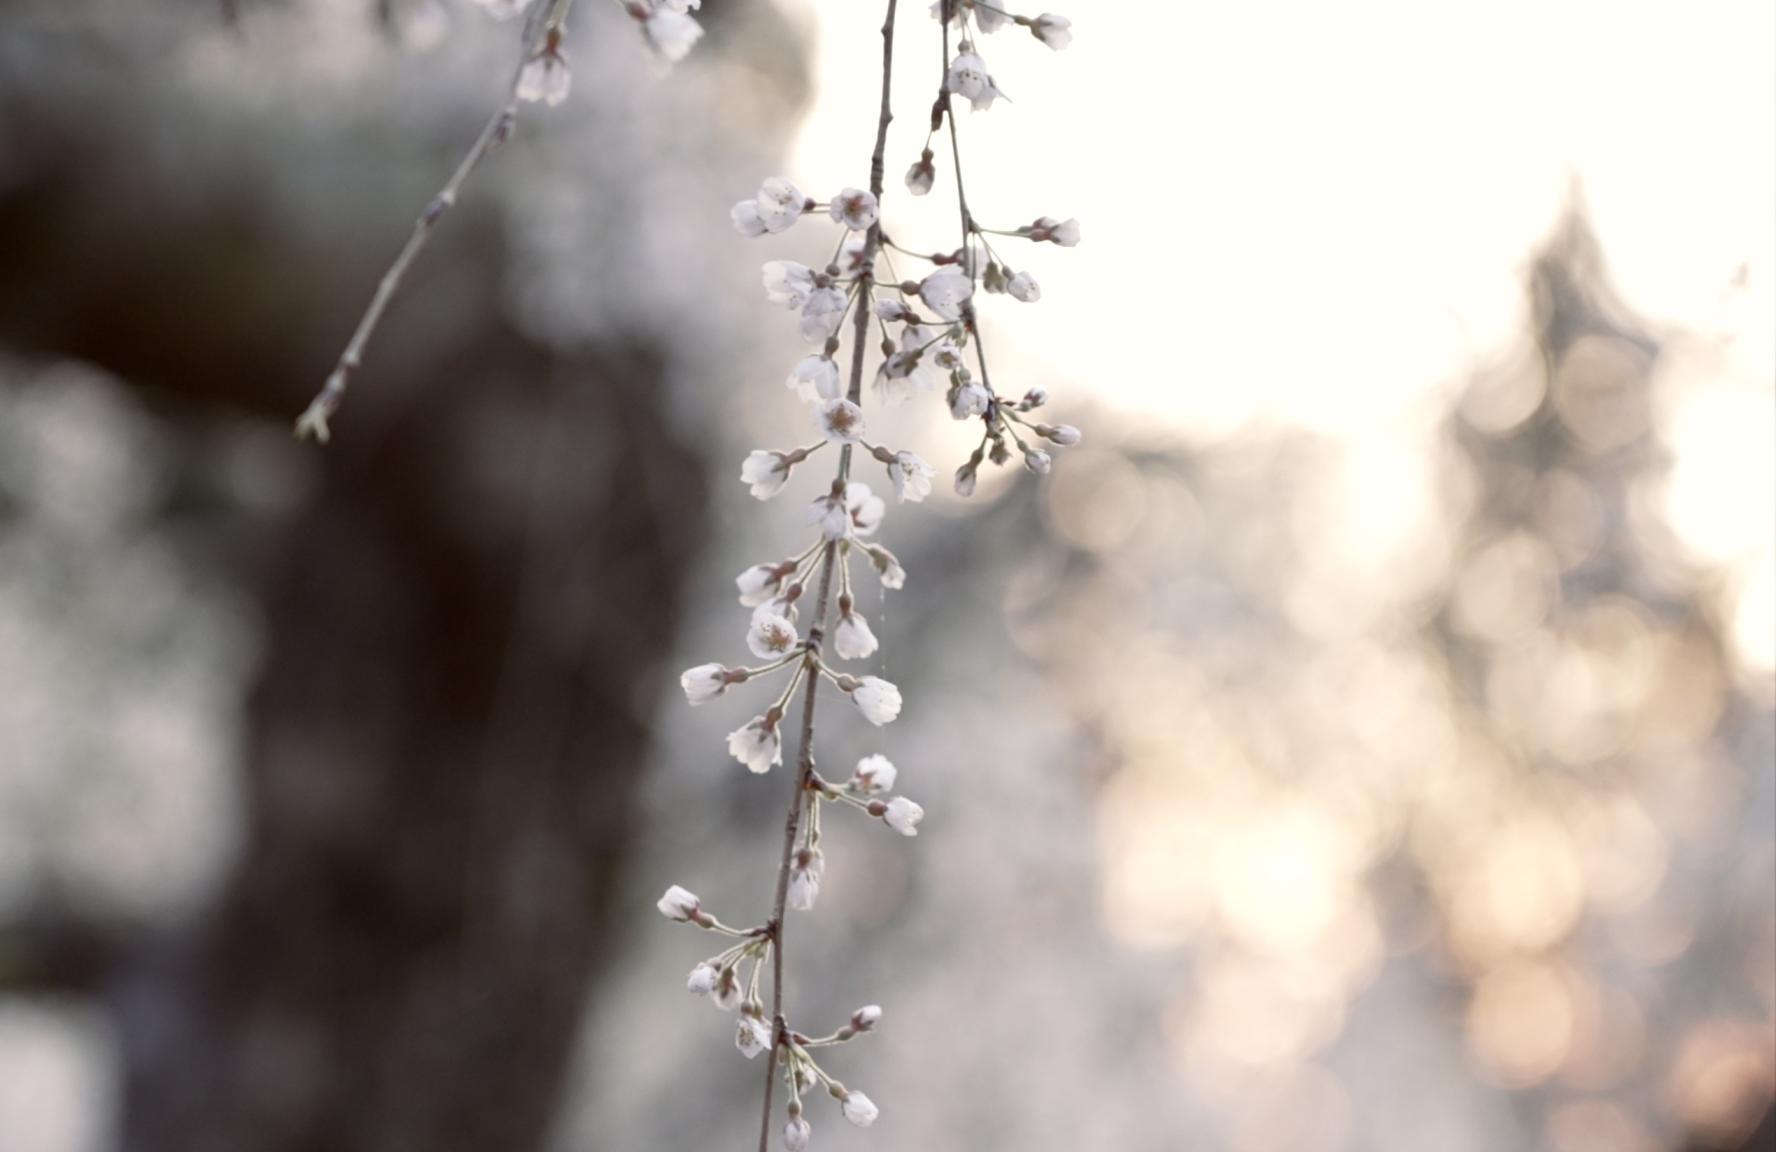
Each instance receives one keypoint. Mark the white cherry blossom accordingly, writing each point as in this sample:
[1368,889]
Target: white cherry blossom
[753,1035]
[903,816]
[815,378]
[1054,31]
[968,78]
[758,744]
[788,283]
[911,477]
[852,639]
[874,774]
[859,1109]
[703,683]
[1022,286]
[545,77]
[765,471]
[770,636]
[946,290]
[876,698]
[854,208]
[804,878]
[840,421]
[679,904]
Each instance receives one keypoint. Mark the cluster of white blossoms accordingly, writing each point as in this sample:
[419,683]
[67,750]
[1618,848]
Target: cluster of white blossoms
[930,342]
[667,25]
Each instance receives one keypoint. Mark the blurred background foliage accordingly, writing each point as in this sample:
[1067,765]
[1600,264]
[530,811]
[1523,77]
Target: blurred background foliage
[1296,785]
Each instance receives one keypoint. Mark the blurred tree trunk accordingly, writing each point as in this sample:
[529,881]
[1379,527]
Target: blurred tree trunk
[464,631]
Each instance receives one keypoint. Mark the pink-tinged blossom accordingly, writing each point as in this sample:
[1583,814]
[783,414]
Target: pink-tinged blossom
[770,636]
[854,208]
[759,583]
[969,400]
[865,509]
[1062,232]
[1038,461]
[1022,286]
[888,568]
[668,26]
[840,421]
[726,995]
[921,175]
[797,1133]
[874,774]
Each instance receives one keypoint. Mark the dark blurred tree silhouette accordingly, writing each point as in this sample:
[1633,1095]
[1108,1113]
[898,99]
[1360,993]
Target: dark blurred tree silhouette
[465,623]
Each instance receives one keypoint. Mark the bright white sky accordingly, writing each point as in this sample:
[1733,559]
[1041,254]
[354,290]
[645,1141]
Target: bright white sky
[1318,214]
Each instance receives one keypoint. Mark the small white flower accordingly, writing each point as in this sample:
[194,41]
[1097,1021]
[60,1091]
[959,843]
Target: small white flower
[867,1017]
[757,745]
[822,314]
[759,583]
[753,1036]
[850,259]
[783,604]
[921,175]
[852,639]
[911,477]
[840,421]
[703,683]
[797,1133]
[888,568]
[780,203]
[1054,31]
[668,28]
[903,816]
[970,400]
[746,219]
[865,509]
[967,77]
[805,877]
[946,290]
[854,208]
[1038,461]
[679,904]
[877,699]
[859,1109]
[1023,286]
[770,636]
[788,283]
[1063,434]
[726,995]
[545,77]
[765,471]
[874,774]
[966,475]
[815,378]
[1062,232]
[830,513]
[704,977]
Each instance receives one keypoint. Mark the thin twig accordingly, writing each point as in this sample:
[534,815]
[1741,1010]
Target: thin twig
[313,421]
[805,754]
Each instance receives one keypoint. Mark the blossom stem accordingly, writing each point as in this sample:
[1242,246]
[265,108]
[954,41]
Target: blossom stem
[313,421]
[805,754]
